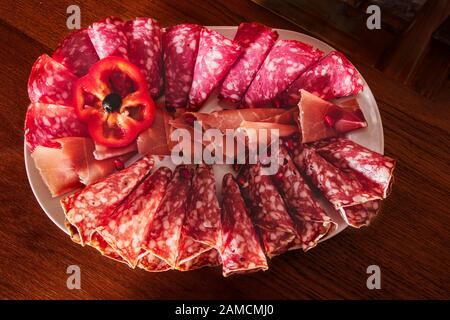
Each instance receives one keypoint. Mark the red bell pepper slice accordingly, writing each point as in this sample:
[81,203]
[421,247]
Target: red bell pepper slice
[114,102]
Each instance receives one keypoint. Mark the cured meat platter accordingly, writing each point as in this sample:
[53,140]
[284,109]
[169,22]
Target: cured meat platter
[312,162]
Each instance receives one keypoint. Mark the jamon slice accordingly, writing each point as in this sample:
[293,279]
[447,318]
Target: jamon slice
[201,227]
[86,209]
[277,230]
[216,55]
[155,140]
[241,250]
[108,37]
[320,119]
[331,77]
[256,41]
[102,152]
[164,232]
[145,51]
[311,220]
[180,52]
[50,82]
[285,62]
[124,229]
[76,52]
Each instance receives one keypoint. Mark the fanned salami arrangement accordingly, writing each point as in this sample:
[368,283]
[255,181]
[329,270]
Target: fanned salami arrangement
[105,149]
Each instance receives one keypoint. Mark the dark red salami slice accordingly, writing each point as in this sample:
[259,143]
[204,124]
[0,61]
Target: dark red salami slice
[86,209]
[256,41]
[311,220]
[331,77]
[241,250]
[76,53]
[108,37]
[153,264]
[370,165]
[338,187]
[45,122]
[277,230]
[201,228]
[216,55]
[210,258]
[50,82]
[124,230]
[145,51]
[164,232]
[285,62]
[362,214]
[180,52]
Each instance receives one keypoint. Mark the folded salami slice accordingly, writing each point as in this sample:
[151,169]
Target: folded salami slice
[104,248]
[285,62]
[46,122]
[311,220]
[145,51]
[163,235]
[153,264]
[76,52]
[241,250]
[210,258]
[180,52]
[109,38]
[339,188]
[216,55]
[86,209]
[125,228]
[201,228]
[362,214]
[256,41]
[365,163]
[50,82]
[269,213]
[331,77]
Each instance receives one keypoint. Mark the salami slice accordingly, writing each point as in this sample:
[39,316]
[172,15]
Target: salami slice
[104,248]
[145,51]
[153,264]
[277,230]
[216,55]
[109,38]
[124,230]
[365,163]
[210,258]
[241,250]
[86,209]
[284,63]
[331,77]
[50,82]
[201,228]
[180,52]
[362,214]
[340,188]
[310,219]
[256,41]
[76,53]
[165,230]
[46,122]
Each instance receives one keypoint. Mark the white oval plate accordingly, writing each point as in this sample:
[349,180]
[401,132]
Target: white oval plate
[370,137]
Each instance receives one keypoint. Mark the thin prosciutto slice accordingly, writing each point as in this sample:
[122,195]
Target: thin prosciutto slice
[102,152]
[156,139]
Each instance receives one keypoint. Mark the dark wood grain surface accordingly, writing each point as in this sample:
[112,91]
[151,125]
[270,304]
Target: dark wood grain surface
[409,241]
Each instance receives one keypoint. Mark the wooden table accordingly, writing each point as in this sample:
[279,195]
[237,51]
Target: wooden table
[409,241]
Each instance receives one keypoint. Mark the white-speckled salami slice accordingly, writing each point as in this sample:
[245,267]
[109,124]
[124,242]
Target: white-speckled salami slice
[256,41]
[153,264]
[216,55]
[125,229]
[46,122]
[180,52]
[109,38]
[76,52]
[145,51]
[311,220]
[331,77]
[269,213]
[163,235]
[210,258]
[241,250]
[201,228]
[362,214]
[284,63]
[50,82]
[86,209]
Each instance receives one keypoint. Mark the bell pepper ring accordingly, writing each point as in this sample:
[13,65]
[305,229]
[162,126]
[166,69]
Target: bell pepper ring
[112,99]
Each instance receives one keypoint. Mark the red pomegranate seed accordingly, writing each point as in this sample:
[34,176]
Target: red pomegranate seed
[329,120]
[242,182]
[279,176]
[118,164]
[290,144]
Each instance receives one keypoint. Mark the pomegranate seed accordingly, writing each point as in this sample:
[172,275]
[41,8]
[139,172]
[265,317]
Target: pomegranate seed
[329,120]
[118,164]
[279,176]
[290,144]
[242,182]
